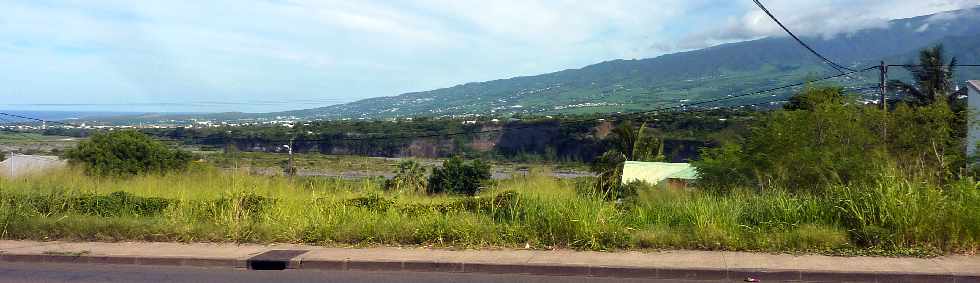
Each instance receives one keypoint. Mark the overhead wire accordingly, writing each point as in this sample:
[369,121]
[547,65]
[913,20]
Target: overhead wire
[922,65]
[572,122]
[684,106]
[593,118]
[840,68]
[189,103]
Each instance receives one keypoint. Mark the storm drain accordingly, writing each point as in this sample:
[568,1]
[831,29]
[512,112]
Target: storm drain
[273,260]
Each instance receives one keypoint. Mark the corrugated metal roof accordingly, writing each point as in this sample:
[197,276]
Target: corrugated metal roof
[655,172]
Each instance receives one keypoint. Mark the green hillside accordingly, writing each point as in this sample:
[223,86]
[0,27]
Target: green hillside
[634,85]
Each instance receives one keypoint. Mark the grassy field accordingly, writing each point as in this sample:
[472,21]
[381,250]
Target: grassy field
[324,163]
[31,143]
[209,205]
[16,138]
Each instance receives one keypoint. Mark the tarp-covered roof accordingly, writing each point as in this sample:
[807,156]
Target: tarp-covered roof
[655,172]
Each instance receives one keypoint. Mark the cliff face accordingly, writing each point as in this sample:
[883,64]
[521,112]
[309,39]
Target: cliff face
[545,140]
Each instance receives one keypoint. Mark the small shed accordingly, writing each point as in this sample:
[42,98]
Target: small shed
[19,165]
[671,175]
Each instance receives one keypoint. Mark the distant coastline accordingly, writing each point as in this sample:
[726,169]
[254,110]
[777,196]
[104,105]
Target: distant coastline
[76,115]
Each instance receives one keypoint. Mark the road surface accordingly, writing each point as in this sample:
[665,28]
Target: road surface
[62,272]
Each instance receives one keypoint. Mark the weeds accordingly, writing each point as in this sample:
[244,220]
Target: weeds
[892,218]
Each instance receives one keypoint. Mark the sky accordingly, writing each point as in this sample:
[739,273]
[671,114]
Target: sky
[274,55]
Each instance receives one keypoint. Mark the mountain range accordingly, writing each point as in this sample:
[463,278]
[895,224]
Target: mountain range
[673,79]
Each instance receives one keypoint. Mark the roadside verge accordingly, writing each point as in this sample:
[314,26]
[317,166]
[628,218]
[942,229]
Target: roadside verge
[692,265]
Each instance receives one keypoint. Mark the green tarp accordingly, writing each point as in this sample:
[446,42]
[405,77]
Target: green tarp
[655,172]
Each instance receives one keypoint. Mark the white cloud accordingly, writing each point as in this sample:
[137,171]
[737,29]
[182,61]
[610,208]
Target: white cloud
[818,18]
[286,49]
[923,28]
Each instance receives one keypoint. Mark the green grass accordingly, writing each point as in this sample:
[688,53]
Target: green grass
[337,163]
[33,143]
[353,163]
[208,205]
[11,137]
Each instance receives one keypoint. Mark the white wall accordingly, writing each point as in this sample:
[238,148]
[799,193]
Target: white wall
[19,165]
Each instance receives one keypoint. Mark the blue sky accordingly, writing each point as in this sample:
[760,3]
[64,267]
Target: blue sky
[258,56]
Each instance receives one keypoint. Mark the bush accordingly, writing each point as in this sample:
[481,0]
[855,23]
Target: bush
[458,177]
[823,141]
[628,143]
[119,203]
[126,153]
[410,177]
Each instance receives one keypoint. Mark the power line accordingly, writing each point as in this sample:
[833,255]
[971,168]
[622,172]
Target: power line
[781,87]
[571,122]
[921,65]
[697,81]
[833,64]
[189,103]
[5,121]
[37,119]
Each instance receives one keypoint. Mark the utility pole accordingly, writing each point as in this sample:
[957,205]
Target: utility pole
[289,166]
[883,103]
[882,88]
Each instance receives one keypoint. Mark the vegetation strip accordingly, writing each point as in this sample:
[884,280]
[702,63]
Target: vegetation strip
[825,174]
[535,211]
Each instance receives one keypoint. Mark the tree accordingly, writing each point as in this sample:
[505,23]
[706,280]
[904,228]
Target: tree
[832,142]
[933,79]
[459,177]
[609,170]
[822,141]
[126,153]
[636,144]
[628,144]
[812,96]
[934,85]
[410,177]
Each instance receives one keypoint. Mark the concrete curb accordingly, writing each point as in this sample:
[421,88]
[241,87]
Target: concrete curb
[630,272]
[766,275]
[137,260]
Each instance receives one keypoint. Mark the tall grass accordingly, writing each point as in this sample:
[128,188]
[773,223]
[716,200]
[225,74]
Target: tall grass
[208,205]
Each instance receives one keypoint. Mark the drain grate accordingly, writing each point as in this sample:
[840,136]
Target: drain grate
[273,260]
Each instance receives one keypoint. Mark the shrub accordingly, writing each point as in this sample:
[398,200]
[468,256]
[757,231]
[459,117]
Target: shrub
[240,205]
[458,177]
[628,143]
[609,168]
[825,141]
[372,202]
[410,177]
[119,203]
[126,153]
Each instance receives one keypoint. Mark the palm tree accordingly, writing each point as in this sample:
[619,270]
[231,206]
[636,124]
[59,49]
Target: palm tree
[933,79]
[628,144]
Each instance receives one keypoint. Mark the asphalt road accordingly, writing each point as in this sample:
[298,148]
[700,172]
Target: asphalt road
[52,272]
